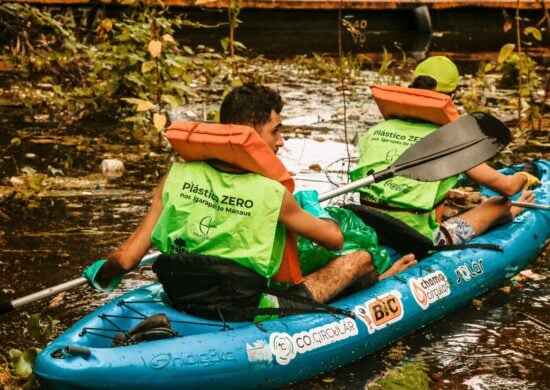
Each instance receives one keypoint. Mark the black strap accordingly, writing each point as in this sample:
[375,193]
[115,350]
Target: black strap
[310,305]
[401,237]
[479,245]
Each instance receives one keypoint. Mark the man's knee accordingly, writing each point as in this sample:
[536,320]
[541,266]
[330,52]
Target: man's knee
[363,260]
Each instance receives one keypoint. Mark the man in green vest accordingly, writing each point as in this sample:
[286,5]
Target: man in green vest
[180,222]
[415,202]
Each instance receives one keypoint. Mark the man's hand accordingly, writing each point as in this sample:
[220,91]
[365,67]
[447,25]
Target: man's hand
[91,272]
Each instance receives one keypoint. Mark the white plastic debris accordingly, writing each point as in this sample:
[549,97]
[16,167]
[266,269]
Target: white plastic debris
[112,168]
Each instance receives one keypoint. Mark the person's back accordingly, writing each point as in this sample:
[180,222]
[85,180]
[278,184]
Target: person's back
[229,215]
[419,204]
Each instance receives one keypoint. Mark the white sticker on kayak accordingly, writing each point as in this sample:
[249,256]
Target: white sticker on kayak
[259,352]
[430,288]
[381,311]
[285,347]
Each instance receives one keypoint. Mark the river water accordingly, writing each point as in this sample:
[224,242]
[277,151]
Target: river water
[500,340]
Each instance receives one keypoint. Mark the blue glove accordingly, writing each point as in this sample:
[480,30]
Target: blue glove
[91,272]
[309,201]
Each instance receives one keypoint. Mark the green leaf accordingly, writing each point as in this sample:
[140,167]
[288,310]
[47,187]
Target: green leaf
[505,52]
[172,100]
[148,66]
[240,45]
[52,323]
[15,354]
[24,365]
[135,101]
[535,32]
[33,325]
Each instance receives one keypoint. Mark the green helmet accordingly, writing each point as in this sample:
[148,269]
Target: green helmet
[440,68]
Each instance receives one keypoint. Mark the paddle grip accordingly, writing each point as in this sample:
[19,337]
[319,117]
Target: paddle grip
[6,307]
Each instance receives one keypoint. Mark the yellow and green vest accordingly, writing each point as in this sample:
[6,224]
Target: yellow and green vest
[379,148]
[234,216]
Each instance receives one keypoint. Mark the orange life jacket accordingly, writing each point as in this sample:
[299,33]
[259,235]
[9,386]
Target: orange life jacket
[413,103]
[242,147]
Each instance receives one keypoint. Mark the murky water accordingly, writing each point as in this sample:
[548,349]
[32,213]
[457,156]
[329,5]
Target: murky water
[499,341]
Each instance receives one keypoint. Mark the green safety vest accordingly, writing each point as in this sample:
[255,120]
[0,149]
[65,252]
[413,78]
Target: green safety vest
[234,216]
[379,148]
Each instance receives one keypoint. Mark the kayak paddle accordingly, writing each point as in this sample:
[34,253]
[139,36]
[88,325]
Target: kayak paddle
[532,205]
[450,150]
[14,304]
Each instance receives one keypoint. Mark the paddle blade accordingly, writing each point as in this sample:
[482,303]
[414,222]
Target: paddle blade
[454,148]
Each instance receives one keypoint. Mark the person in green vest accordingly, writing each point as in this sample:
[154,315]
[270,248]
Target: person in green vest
[254,238]
[414,202]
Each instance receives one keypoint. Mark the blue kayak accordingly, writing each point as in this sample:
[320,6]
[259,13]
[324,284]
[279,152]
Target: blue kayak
[212,354]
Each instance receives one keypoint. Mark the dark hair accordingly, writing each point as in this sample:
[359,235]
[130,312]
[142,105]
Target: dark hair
[424,82]
[250,104]
[427,82]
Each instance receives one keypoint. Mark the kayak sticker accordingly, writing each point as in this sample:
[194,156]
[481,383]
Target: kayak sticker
[285,347]
[466,272]
[381,311]
[430,288]
[259,354]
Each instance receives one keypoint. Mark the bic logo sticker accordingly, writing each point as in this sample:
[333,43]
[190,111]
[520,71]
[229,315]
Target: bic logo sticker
[381,311]
[430,288]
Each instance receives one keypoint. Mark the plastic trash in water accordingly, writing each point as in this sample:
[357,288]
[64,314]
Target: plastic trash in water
[112,168]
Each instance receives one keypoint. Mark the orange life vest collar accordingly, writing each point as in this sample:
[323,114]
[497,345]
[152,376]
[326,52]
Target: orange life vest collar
[238,145]
[242,147]
[397,102]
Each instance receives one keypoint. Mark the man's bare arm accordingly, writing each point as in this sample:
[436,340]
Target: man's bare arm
[324,232]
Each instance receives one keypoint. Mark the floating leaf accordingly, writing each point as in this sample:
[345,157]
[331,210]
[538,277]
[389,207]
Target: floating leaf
[155,48]
[28,170]
[505,52]
[159,121]
[55,171]
[56,301]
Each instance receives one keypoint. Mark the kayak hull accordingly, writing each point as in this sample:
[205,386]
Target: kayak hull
[210,354]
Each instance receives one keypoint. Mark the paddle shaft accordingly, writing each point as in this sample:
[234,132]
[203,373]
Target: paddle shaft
[531,205]
[14,304]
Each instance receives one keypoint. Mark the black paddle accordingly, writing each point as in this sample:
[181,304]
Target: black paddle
[451,149]
[448,151]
